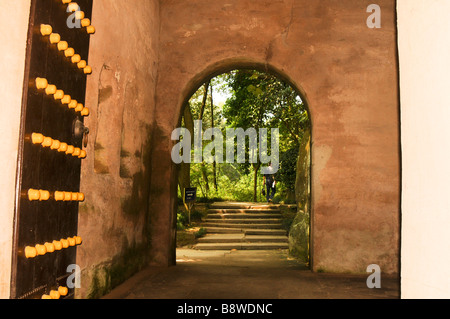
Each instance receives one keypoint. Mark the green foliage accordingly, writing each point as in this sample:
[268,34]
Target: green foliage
[199,234]
[288,168]
[230,188]
[287,221]
[196,216]
[182,219]
[261,100]
[256,100]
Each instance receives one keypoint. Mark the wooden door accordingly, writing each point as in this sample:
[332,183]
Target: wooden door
[51,149]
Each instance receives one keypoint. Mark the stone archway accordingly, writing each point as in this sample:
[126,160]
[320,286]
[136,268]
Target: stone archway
[352,92]
[192,86]
[300,238]
[143,71]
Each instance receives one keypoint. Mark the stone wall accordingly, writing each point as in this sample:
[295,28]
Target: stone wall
[148,58]
[114,220]
[345,71]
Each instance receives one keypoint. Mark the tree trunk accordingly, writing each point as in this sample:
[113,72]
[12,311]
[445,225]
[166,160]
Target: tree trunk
[212,126]
[205,177]
[201,188]
[184,175]
[202,111]
[255,181]
[205,98]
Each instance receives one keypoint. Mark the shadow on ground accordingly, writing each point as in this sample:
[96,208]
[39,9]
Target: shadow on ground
[247,275]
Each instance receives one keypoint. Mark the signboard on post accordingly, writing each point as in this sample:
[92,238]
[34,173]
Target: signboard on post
[189,198]
[190,195]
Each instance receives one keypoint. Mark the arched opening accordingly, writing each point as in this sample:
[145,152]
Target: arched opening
[164,57]
[293,197]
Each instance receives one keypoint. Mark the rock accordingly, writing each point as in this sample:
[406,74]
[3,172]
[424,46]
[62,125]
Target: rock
[299,237]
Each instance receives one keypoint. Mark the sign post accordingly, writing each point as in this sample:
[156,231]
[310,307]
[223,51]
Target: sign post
[189,198]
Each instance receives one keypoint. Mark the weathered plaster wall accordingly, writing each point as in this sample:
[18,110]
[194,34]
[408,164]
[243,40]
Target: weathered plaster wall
[114,219]
[325,50]
[424,67]
[148,59]
[14,17]
[348,75]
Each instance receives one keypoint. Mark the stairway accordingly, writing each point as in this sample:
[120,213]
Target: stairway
[243,226]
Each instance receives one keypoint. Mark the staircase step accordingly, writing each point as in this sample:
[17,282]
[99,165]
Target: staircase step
[244,211]
[243,226]
[243,215]
[241,246]
[222,230]
[244,204]
[266,239]
[230,205]
[223,238]
[271,206]
[266,232]
[241,238]
[244,221]
[227,205]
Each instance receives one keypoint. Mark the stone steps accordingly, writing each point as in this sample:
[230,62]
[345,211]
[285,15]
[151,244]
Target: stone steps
[243,226]
[244,221]
[269,232]
[242,238]
[243,211]
[222,230]
[242,246]
[243,216]
[242,206]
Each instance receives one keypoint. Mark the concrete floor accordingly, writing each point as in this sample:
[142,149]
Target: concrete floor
[247,275]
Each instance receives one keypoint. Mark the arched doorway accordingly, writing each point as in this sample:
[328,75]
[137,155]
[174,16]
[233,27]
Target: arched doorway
[297,190]
[352,96]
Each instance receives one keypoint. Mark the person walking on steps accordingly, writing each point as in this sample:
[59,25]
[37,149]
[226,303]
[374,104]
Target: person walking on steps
[270,182]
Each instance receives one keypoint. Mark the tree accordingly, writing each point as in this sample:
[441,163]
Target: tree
[288,171]
[203,109]
[260,100]
[257,100]
[184,175]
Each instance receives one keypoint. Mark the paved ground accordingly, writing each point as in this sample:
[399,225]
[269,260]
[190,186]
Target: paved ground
[246,275]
